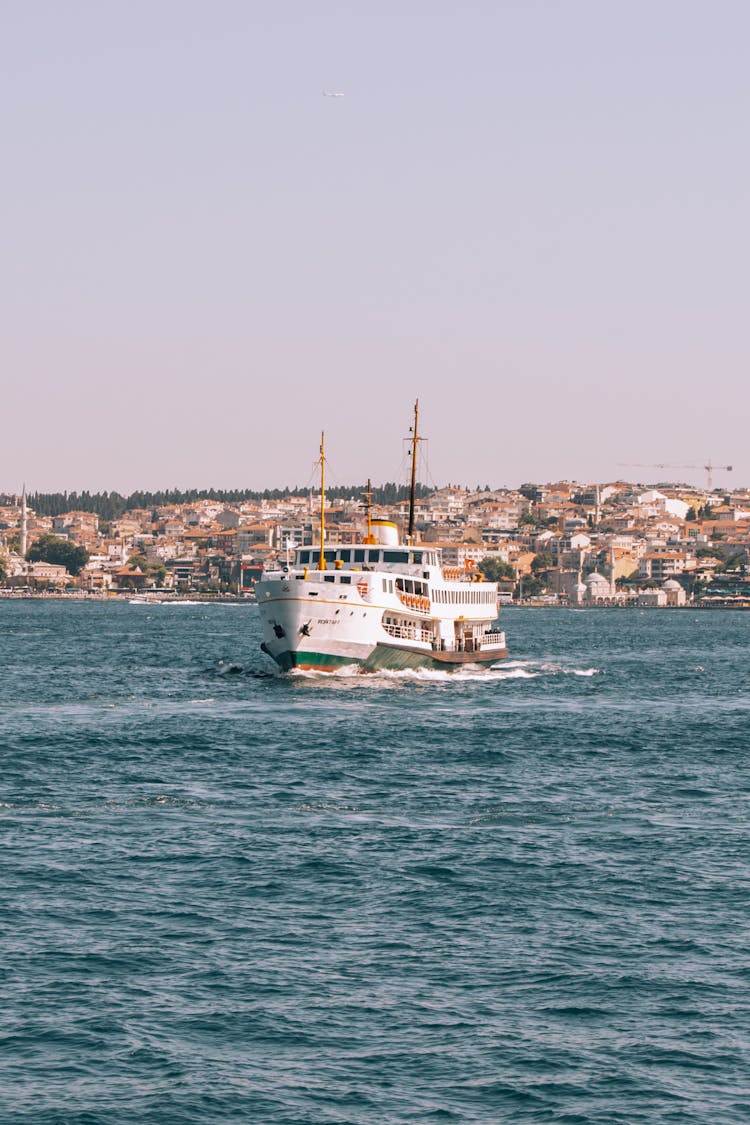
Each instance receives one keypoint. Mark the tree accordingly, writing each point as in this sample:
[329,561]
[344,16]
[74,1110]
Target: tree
[542,561]
[111,505]
[156,571]
[59,552]
[531,586]
[495,570]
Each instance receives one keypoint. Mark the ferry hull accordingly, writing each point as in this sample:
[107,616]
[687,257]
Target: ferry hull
[383,657]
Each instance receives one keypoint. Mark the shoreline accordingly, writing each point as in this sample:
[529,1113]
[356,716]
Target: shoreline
[243,599]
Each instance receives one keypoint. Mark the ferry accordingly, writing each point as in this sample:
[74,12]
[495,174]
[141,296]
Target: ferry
[377,604]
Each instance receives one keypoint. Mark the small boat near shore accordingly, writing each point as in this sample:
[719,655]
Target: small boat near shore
[377,604]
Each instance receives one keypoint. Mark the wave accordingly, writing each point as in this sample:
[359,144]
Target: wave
[469,673]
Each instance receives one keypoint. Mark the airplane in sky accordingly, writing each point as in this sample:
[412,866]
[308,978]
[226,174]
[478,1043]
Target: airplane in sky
[332,94]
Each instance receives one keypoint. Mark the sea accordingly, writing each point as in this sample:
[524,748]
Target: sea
[516,895]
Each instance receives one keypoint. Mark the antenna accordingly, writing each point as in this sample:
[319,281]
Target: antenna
[322,560]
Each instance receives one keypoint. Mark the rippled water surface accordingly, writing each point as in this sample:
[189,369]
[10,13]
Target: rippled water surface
[516,895]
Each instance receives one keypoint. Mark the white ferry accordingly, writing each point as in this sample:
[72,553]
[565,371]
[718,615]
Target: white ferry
[377,604]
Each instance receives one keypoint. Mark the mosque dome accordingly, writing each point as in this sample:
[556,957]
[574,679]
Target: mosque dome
[596,580]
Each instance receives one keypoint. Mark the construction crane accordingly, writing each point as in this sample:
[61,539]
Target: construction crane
[709,469]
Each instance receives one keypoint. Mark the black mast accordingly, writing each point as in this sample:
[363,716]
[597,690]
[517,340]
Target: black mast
[413,488]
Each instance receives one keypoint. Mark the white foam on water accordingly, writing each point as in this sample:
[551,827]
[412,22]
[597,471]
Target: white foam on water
[556,668]
[353,675]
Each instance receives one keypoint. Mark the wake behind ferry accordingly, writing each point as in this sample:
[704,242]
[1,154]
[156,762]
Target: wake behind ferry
[377,604]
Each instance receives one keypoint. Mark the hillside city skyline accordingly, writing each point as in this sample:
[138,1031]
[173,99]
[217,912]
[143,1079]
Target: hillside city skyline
[619,543]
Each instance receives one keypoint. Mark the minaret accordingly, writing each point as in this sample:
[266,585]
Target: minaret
[612,571]
[24,524]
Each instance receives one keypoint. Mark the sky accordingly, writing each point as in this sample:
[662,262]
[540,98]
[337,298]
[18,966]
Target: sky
[532,216]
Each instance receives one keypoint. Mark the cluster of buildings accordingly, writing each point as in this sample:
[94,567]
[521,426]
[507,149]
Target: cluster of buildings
[598,544]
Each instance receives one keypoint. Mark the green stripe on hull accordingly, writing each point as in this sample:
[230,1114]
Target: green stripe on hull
[382,657]
[313,661]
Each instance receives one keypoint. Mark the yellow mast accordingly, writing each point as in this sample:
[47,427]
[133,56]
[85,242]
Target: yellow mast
[413,489]
[322,561]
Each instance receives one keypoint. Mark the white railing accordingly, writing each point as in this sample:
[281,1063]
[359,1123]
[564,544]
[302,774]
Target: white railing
[474,644]
[408,632]
[416,633]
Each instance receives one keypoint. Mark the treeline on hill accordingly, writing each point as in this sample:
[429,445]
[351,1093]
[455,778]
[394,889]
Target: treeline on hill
[111,505]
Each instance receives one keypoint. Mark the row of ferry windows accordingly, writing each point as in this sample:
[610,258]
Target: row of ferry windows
[367,556]
[472,595]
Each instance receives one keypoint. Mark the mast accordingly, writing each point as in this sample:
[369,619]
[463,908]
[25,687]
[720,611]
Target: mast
[322,560]
[368,498]
[413,487]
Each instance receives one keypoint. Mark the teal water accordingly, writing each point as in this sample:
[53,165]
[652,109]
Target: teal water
[519,895]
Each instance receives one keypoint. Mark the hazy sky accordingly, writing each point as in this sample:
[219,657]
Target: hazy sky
[533,215]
